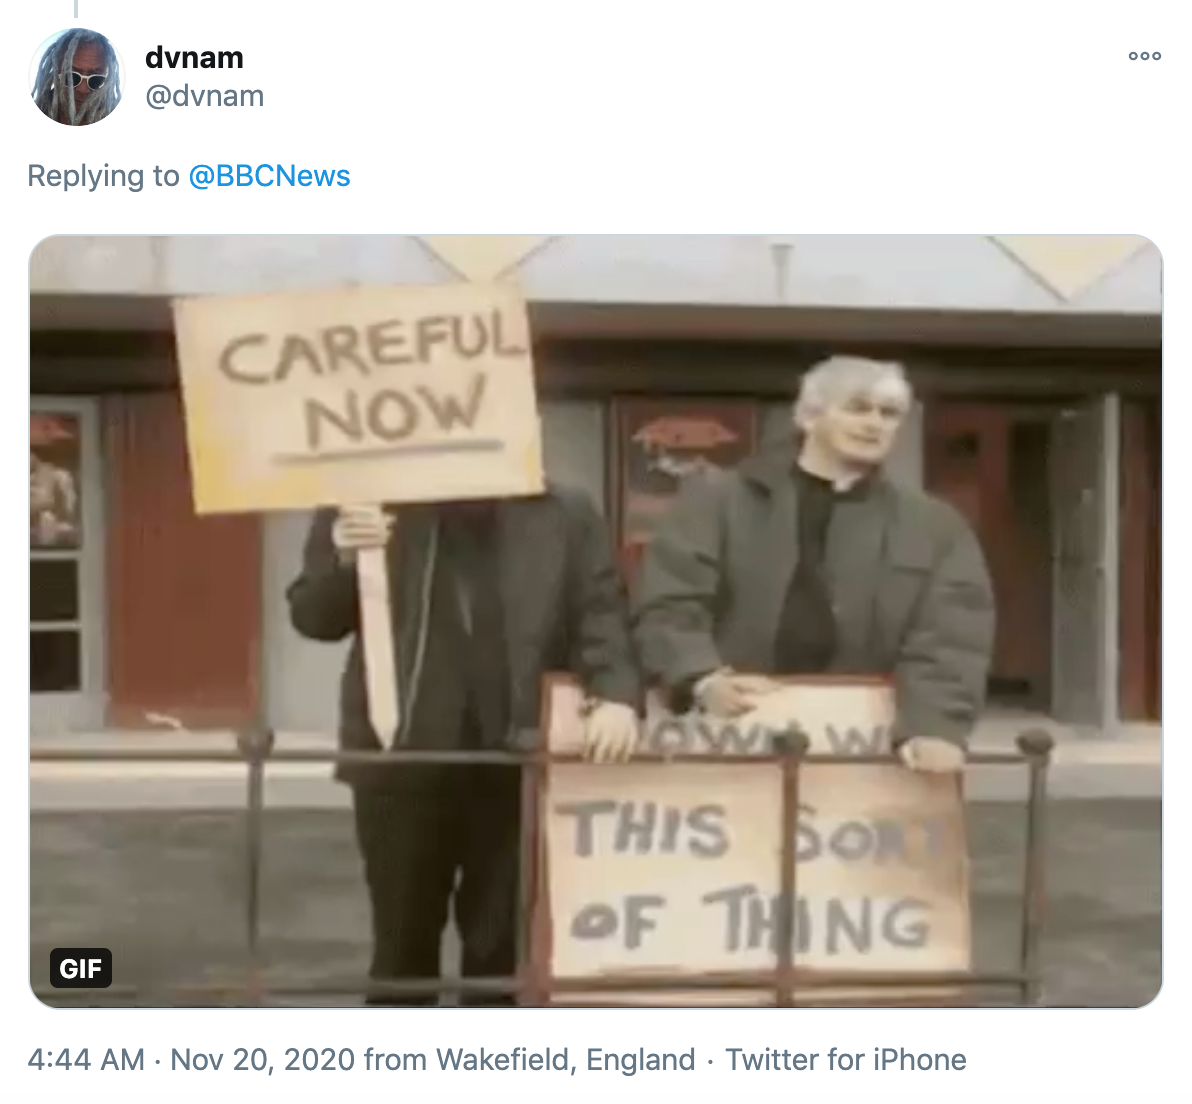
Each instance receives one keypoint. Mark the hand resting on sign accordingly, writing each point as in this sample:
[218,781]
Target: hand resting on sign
[726,693]
[611,731]
[360,527]
[931,755]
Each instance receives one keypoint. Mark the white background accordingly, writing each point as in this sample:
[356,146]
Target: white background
[583,117]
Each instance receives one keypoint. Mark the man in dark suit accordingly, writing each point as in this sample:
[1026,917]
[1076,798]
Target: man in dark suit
[487,598]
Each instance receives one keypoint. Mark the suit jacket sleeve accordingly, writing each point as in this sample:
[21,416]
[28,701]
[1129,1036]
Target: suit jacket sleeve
[602,652]
[681,576]
[323,599]
[943,665]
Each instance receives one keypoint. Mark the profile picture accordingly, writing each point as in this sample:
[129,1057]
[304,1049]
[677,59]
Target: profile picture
[76,77]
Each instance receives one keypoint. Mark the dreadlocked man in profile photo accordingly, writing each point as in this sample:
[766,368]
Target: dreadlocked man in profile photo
[78,79]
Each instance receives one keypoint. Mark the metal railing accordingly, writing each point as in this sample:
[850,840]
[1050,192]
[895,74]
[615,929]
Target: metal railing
[535,985]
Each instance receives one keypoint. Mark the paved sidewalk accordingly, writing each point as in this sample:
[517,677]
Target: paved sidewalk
[166,892]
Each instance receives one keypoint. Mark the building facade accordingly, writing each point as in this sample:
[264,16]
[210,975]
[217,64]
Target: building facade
[1037,364]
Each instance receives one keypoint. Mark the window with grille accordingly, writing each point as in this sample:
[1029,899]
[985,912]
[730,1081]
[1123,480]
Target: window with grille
[56,541]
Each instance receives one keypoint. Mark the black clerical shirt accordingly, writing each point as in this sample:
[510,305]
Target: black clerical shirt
[806,640]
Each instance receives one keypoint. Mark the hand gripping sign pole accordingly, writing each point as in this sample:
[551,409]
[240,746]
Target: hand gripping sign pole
[365,394]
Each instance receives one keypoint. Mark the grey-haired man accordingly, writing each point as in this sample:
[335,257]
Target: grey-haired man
[808,559]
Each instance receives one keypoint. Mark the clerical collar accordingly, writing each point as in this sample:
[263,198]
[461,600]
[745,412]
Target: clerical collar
[857,488]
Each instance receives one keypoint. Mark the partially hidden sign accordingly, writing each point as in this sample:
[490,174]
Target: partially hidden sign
[675,868]
[370,394]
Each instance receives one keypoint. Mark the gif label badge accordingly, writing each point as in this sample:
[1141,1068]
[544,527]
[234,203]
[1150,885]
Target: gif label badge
[80,968]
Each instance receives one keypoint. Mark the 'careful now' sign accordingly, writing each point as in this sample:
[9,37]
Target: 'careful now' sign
[372,394]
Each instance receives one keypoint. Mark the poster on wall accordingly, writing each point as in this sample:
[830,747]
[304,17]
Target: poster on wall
[661,441]
[54,471]
[674,868]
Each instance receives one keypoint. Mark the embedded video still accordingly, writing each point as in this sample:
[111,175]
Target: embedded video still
[595,620]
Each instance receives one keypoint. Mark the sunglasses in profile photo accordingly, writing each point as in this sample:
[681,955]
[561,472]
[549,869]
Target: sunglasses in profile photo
[94,80]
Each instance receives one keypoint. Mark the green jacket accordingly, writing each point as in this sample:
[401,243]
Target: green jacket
[907,579]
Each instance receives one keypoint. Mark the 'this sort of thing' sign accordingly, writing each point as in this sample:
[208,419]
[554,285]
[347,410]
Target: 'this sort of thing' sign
[371,394]
[675,868]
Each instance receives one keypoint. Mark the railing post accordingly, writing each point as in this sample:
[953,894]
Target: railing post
[791,747]
[529,946]
[256,745]
[1036,746]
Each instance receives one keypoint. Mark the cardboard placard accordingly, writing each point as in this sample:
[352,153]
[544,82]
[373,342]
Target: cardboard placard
[371,394]
[675,868]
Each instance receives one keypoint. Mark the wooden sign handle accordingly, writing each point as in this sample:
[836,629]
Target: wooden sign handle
[380,648]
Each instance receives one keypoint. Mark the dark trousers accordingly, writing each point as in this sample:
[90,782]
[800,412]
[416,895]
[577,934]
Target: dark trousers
[454,829]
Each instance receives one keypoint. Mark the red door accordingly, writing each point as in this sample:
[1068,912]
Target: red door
[184,592]
[989,460]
